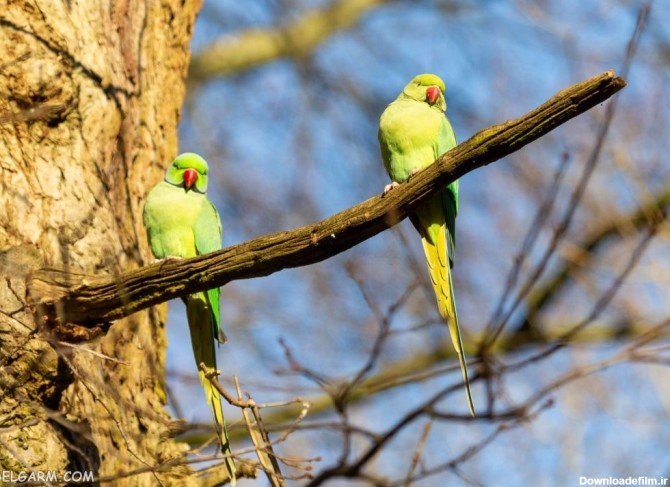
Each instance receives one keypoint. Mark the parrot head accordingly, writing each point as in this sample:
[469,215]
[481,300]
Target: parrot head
[189,171]
[427,88]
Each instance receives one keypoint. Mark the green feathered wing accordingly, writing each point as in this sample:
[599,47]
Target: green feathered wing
[412,135]
[185,224]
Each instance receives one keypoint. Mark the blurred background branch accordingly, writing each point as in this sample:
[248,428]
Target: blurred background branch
[297,38]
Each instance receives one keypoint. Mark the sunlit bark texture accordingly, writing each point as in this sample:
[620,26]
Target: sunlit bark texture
[90,96]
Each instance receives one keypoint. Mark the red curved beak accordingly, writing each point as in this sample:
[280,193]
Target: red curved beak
[432,94]
[190,177]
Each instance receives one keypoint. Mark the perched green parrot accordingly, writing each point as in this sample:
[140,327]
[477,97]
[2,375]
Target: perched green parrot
[181,222]
[413,133]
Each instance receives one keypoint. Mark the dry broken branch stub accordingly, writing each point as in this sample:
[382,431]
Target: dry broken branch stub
[60,297]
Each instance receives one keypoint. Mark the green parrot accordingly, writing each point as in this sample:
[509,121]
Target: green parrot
[181,222]
[413,133]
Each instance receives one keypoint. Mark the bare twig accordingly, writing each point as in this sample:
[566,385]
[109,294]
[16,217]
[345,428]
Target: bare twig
[261,440]
[416,458]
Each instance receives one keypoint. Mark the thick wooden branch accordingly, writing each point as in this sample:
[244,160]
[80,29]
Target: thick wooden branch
[60,297]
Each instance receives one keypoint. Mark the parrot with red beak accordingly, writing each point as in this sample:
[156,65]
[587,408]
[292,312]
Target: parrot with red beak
[413,132]
[182,222]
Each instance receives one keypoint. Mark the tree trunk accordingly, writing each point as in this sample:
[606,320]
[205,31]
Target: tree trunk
[90,97]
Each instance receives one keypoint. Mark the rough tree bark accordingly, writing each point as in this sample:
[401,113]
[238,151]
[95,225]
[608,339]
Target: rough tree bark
[90,97]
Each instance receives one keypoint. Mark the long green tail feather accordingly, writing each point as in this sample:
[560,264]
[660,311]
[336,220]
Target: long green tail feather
[440,275]
[202,338]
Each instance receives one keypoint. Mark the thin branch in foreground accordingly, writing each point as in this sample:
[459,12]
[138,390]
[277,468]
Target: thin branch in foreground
[60,298]
[262,446]
[261,440]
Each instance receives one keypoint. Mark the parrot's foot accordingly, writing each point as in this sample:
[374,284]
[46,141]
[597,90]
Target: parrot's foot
[167,260]
[389,187]
[413,172]
[170,258]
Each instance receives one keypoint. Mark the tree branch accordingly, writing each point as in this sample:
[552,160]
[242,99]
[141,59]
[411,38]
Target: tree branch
[61,297]
[252,47]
